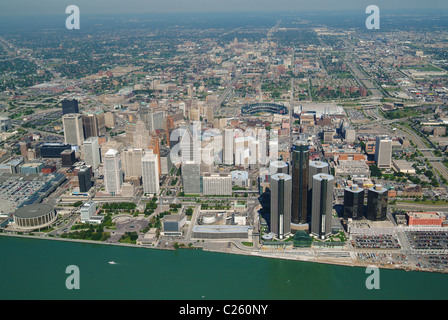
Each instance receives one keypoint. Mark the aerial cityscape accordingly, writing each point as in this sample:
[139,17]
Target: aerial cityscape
[285,136]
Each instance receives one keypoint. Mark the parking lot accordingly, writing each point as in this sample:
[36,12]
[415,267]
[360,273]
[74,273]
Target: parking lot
[431,240]
[386,241]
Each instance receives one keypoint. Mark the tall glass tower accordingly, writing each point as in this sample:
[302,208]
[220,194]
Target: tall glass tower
[300,171]
[354,202]
[281,204]
[377,203]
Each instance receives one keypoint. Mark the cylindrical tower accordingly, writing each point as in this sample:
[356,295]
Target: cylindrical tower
[300,170]
[322,204]
[281,186]
[377,203]
[353,202]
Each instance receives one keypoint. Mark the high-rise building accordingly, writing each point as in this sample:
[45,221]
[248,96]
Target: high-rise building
[322,205]
[109,119]
[24,147]
[353,202]
[70,106]
[141,138]
[228,143]
[281,187]
[315,167]
[191,177]
[190,144]
[5,124]
[92,152]
[377,203]
[217,184]
[132,162]
[85,178]
[90,125]
[113,172]
[383,152]
[300,172]
[278,167]
[150,173]
[68,157]
[73,129]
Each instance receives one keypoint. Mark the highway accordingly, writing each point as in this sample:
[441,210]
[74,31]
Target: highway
[438,166]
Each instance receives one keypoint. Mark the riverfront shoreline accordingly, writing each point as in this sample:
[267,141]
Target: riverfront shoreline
[314,259]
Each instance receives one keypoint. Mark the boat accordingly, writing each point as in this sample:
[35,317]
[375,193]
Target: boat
[112,262]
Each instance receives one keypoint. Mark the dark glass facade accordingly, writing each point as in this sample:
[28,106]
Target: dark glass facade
[53,150]
[85,179]
[70,106]
[354,203]
[300,172]
[377,204]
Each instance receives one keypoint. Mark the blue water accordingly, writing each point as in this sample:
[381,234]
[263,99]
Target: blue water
[35,269]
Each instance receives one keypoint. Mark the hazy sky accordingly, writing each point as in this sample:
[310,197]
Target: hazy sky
[39,7]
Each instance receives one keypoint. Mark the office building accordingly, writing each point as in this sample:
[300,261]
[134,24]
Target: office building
[32,168]
[109,119]
[113,172]
[141,138]
[281,188]
[88,209]
[53,150]
[316,167]
[300,172]
[70,106]
[85,178]
[190,144]
[383,152]
[377,203]
[228,146]
[322,205]
[90,125]
[132,162]
[92,152]
[150,173]
[278,167]
[68,157]
[5,124]
[218,184]
[73,129]
[191,177]
[353,202]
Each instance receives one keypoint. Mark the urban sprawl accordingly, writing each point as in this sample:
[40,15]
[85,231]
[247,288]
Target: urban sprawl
[292,140]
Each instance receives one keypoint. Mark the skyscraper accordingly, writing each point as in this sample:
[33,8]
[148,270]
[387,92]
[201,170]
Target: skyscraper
[191,177]
[150,172]
[300,172]
[227,149]
[377,203]
[353,202]
[113,172]
[132,162]
[190,144]
[73,129]
[70,106]
[92,152]
[383,152]
[281,187]
[90,125]
[322,205]
[278,167]
[315,167]
[85,178]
